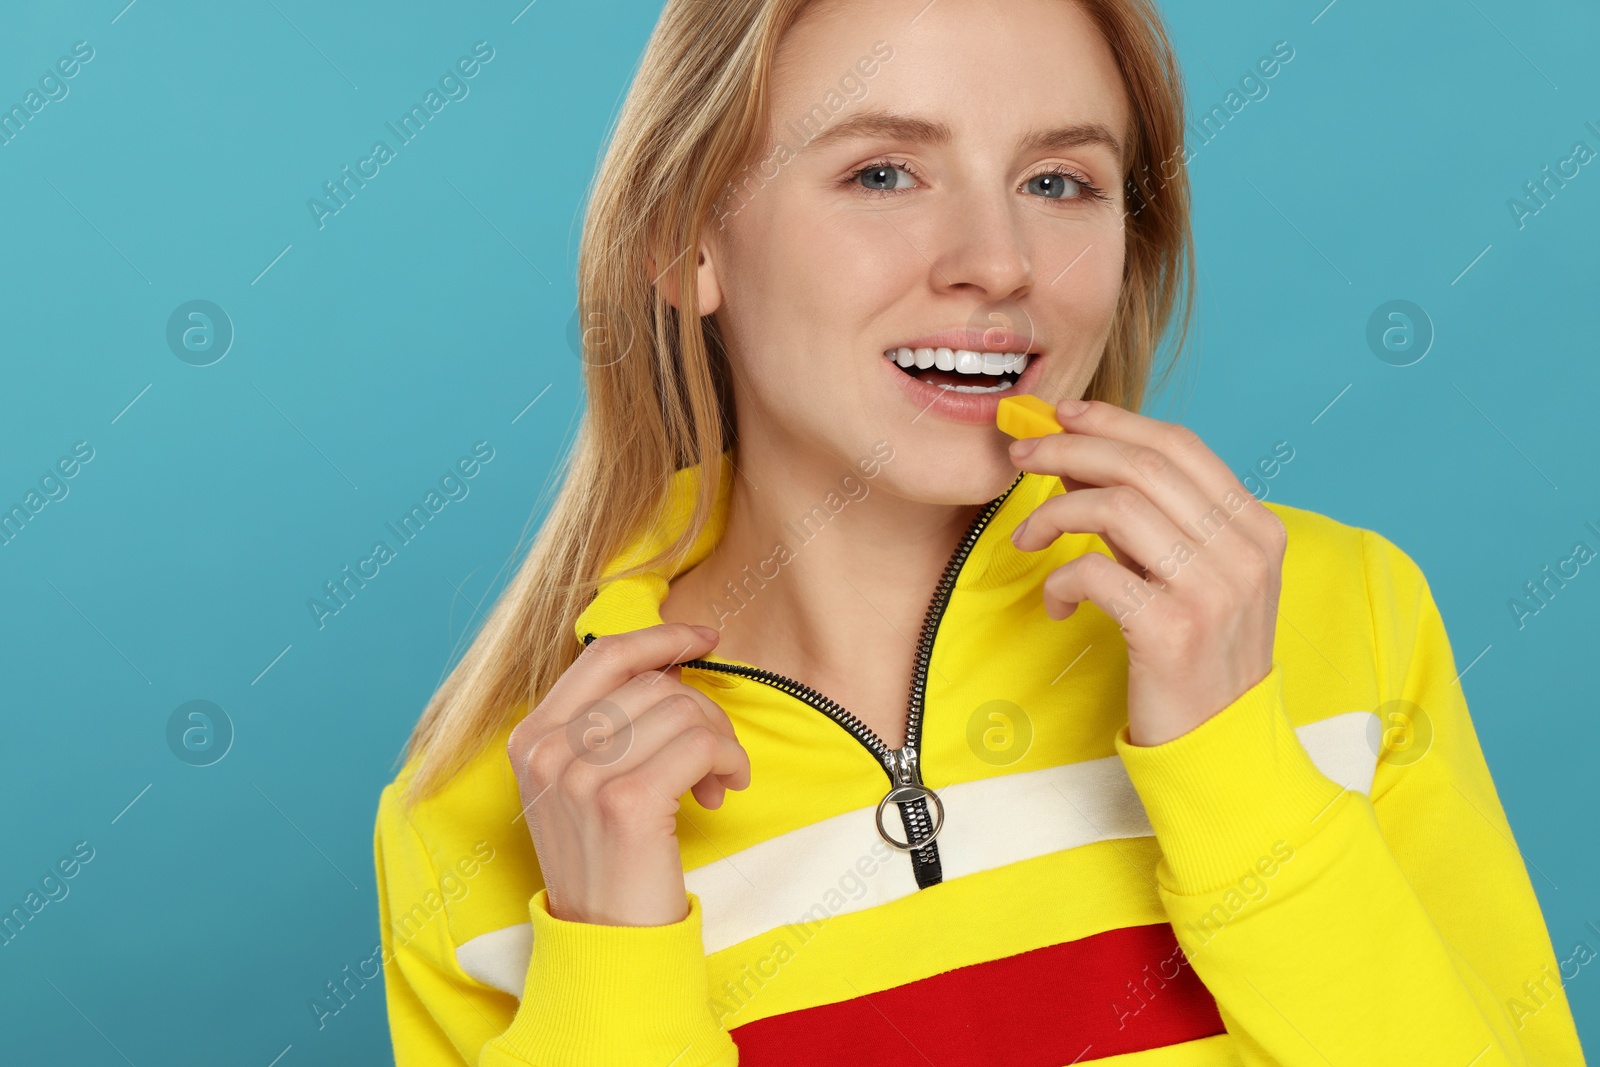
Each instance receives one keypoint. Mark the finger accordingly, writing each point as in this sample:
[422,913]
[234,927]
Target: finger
[651,687]
[1123,517]
[612,660]
[721,723]
[1183,448]
[1107,584]
[1137,468]
[714,712]
[709,792]
[698,757]
[709,715]
[633,723]
[1121,555]
[1098,460]
[1117,551]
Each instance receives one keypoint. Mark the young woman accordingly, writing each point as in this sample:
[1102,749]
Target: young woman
[825,724]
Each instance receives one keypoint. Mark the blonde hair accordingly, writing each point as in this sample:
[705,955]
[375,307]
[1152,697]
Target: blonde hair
[656,380]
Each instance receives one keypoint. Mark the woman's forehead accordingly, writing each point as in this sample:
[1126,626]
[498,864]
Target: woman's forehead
[976,67]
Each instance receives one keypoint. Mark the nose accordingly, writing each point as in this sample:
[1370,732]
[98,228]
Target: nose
[984,251]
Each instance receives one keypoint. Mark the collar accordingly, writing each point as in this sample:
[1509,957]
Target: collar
[624,604]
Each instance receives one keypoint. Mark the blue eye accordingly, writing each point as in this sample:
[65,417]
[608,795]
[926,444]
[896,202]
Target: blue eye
[884,171]
[1052,184]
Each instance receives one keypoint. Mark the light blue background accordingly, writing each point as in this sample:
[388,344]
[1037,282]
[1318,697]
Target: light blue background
[433,310]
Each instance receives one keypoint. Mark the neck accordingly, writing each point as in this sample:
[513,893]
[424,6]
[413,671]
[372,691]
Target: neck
[821,573]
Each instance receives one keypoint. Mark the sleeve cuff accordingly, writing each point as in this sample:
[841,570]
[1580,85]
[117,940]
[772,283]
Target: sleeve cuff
[598,994]
[1222,795]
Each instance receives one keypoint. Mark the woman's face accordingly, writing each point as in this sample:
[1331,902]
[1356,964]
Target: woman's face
[954,166]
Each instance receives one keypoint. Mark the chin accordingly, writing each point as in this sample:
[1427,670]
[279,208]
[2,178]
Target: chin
[934,475]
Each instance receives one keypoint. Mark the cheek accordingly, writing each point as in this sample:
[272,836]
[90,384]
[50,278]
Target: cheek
[844,270]
[1107,289]
[1091,289]
[820,292]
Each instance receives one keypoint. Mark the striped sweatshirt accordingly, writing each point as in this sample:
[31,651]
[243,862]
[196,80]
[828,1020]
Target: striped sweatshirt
[1321,873]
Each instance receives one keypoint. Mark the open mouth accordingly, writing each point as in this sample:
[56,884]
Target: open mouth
[961,370]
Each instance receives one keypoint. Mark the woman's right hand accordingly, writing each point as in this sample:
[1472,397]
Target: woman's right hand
[601,763]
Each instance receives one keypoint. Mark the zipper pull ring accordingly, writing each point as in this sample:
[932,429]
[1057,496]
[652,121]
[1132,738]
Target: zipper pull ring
[902,764]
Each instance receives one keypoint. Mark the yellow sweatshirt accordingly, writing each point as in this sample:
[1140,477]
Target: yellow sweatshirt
[1320,874]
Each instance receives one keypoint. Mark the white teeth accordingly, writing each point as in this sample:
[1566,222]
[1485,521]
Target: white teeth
[962,361]
[1002,387]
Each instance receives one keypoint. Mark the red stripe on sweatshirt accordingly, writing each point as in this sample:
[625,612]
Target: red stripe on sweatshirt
[1115,992]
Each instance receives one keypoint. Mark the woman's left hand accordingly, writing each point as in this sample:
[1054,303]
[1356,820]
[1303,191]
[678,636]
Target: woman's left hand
[1198,562]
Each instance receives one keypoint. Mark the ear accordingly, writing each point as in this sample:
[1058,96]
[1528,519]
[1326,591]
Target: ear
[710,291]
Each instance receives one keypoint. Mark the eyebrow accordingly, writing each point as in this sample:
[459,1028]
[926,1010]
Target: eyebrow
[909,128]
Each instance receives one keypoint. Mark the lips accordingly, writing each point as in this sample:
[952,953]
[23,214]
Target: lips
[966,359]
[961,372]
[974,339]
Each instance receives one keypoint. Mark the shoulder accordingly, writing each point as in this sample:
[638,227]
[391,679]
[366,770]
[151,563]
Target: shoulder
[1406,630]
[1325,552]
[466,843]
[1326,555]
[1349,609]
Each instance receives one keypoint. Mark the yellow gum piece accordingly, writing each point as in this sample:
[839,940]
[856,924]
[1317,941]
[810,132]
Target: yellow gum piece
[1025,415]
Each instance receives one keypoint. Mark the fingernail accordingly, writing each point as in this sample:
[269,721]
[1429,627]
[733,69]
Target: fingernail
[1074,407]
[1021,448]
[706,632]
[1017,533]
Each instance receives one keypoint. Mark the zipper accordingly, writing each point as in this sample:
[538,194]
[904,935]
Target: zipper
[902,765]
